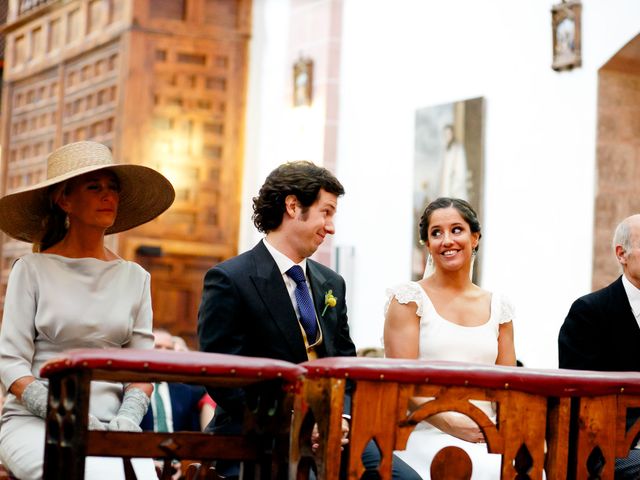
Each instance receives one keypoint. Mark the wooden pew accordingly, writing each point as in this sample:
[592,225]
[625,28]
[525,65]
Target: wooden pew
[599,433]
[533,406]
[68,441]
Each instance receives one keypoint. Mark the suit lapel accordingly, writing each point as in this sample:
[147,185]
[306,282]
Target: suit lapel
[622,308]
[320,285]
[273,293]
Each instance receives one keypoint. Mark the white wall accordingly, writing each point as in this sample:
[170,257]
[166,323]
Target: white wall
[539,145]
[266,115]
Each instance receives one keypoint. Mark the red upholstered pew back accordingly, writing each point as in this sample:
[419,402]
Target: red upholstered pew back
[68,442]
[534,407]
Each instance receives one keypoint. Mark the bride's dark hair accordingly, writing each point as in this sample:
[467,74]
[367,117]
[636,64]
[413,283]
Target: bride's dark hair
[463,207]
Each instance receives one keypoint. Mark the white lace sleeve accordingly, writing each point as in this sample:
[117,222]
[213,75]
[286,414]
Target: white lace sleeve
[405,293]
[506,312]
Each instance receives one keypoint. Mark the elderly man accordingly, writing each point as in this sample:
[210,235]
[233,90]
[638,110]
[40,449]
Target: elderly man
[602,329]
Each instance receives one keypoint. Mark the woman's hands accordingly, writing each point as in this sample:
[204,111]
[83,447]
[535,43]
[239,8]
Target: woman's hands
[95,424]
[315,436]
[17,387]
[134,406]
[34,397]
[33,394]
[458,425]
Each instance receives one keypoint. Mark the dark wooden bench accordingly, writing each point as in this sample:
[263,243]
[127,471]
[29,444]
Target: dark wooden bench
[533,407]
[68,441]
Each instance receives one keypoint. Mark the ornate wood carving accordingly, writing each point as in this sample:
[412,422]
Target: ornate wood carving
[163,84]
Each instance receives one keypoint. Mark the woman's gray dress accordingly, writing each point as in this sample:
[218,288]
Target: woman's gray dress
[54,303]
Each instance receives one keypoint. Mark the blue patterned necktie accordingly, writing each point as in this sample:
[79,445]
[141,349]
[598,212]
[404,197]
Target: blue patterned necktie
[305,304]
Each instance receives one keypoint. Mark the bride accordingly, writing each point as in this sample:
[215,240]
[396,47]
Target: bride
[445,316]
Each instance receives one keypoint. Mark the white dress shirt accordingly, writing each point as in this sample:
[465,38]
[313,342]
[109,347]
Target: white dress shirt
[633,294]
[284,263]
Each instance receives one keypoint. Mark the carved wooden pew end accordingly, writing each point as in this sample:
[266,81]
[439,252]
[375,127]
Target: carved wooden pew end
[68,441]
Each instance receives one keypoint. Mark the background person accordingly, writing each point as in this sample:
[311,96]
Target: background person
[446,317]
[179,345]
[185,407]
[73,292]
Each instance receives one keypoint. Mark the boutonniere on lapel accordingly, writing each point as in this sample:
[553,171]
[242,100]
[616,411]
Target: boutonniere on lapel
[329,301]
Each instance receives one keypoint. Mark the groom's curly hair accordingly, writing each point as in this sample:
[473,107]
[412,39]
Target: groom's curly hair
[300,178]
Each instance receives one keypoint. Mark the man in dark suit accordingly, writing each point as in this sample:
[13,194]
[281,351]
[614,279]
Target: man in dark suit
[272,300]
[602,332]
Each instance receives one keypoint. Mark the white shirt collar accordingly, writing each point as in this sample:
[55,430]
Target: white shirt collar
[633,294]
[283,262]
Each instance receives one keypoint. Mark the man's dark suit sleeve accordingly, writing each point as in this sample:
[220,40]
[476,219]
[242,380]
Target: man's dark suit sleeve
[220,328]
[344,346]
[580,339]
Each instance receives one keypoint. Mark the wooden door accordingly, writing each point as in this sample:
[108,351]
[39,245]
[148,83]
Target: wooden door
[176,288]
[184,112]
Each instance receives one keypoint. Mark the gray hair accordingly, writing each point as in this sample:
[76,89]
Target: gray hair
[622,236]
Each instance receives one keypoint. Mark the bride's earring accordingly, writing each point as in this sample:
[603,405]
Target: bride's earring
[474,253]
[66,222]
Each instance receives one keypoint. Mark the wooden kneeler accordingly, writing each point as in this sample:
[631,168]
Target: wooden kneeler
[68,441]
[379,412]
[599,432]
[570,423]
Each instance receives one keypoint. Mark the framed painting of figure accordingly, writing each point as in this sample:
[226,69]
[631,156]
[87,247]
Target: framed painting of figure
[448,162]
[566,28]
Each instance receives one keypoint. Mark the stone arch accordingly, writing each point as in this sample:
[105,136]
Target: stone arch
[617,154]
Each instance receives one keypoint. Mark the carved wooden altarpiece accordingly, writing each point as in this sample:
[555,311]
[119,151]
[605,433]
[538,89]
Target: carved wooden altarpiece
[163,83]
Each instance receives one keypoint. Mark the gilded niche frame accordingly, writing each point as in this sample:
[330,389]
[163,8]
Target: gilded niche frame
[302,82]
[566,25]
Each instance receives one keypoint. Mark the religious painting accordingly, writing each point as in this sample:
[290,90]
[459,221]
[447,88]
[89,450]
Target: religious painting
[448,162]
[566,27]
[302,82]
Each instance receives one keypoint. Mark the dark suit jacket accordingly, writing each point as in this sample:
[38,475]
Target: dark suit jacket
[184,408]
[246,310]
[600,332]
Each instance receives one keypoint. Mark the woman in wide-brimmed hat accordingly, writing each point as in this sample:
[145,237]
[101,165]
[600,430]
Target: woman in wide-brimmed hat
[74,292]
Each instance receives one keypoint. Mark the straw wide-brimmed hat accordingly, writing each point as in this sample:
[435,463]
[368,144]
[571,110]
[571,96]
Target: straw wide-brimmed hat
[144,192]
